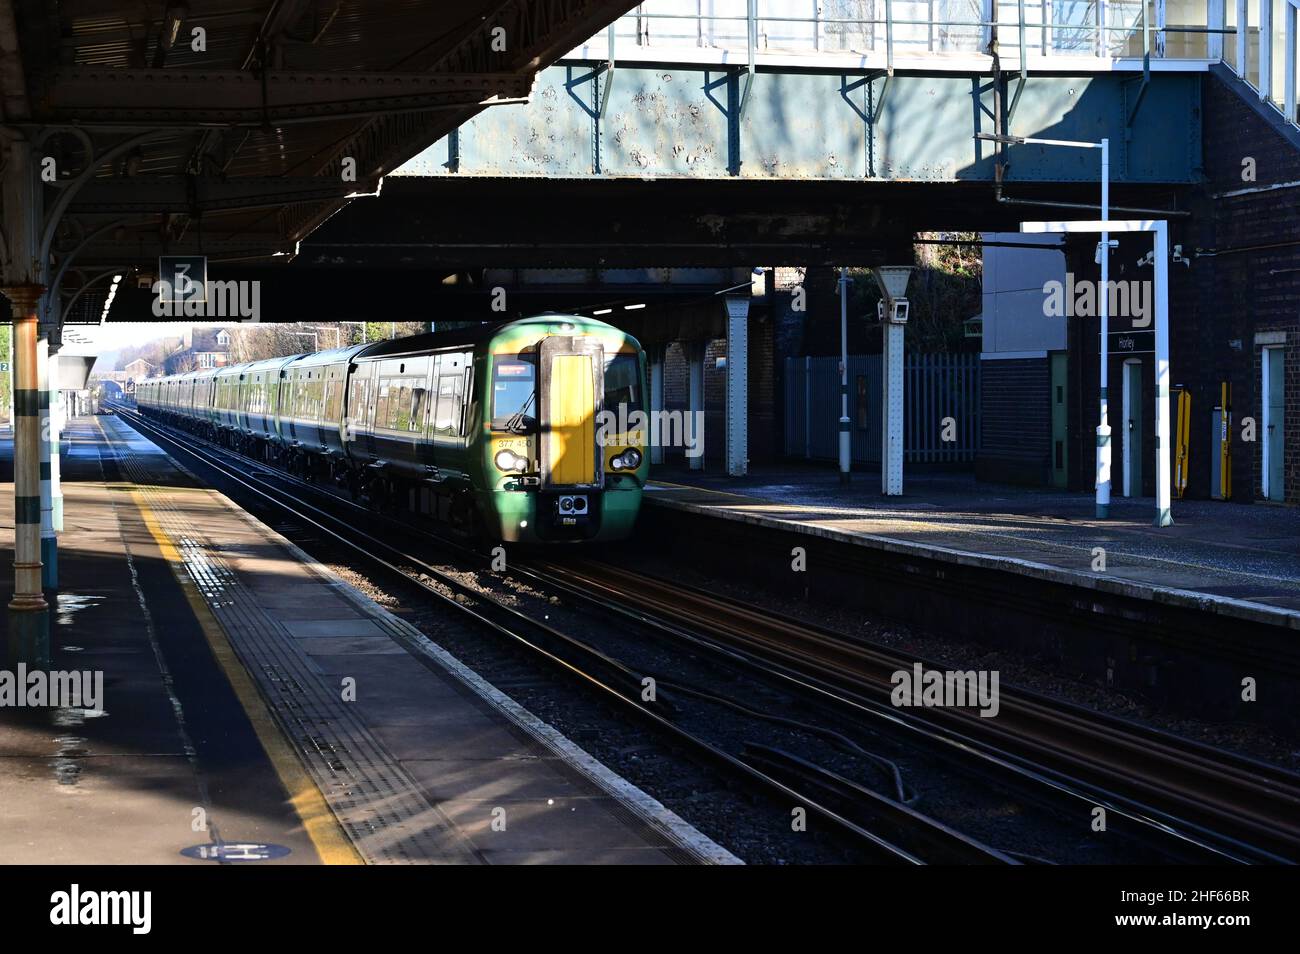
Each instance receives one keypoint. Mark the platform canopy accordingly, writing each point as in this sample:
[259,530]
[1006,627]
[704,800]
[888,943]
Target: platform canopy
[232,129]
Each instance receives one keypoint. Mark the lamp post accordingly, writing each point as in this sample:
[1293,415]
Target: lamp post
[315,338]
[338,333]
[845,434]
[1103,426]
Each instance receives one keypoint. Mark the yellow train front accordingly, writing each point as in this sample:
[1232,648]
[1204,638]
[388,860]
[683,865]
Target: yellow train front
[562,449]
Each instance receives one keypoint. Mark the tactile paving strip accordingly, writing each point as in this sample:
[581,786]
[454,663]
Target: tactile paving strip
[382,809]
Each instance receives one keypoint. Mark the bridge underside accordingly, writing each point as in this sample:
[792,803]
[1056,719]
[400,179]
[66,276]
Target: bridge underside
[678,121]
[455,223]
[428,241]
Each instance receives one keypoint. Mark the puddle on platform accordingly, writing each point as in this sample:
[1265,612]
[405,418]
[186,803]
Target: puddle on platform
[67,761]
[70,604]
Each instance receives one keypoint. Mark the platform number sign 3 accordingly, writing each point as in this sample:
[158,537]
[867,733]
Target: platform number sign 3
[183,277]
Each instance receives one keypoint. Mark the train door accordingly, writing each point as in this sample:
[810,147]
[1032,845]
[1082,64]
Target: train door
[448,392]
[1274,390]
[1133,430]
[1060,419]
[369,410]
[571,392]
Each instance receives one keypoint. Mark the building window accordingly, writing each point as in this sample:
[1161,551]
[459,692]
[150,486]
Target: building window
[223,339]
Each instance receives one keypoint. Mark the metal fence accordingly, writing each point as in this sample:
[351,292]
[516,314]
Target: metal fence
[910,27]
[936,387]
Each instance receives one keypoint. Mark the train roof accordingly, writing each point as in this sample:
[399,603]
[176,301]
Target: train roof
[468,337]
[332,356]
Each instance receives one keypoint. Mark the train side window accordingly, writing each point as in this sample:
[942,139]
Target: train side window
[623,381]
[447,417]
[381,404]
[417,408]
[401,407]
[358,400]
[317,388]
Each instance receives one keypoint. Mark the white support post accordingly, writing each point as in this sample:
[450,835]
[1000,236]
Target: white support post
[1265,49]
[695,397]
[58,418]
[1243,29]
[891,437]
[846,455]
[1126,457]
[49,544]
[1104,449]
[737,385]
[1164,444]
[656,356]
[892,280]
[1214,21]
[1292,12]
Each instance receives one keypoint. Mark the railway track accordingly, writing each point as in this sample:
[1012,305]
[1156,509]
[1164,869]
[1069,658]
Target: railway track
[1251,807]
[1214,804]
[855,811]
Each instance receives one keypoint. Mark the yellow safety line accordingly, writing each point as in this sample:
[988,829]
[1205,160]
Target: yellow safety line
[327,836]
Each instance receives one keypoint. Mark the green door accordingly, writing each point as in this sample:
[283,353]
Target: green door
[1133,419]
[1276,422]
[1060,458]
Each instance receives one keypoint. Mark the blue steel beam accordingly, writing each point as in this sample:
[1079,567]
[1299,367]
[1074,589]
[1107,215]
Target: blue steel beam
[686,122]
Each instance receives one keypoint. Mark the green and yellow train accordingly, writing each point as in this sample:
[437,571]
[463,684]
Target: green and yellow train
[508,431]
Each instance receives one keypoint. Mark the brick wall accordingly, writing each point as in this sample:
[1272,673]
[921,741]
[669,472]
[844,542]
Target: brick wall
[1252,284]
[1243,280]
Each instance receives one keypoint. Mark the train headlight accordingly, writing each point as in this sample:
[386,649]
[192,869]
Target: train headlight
[509,461]
[630,459]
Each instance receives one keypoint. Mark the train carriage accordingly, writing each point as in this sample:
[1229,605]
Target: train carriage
[201,405]
[225,403]
[313,392]
[260,387]
[527,431]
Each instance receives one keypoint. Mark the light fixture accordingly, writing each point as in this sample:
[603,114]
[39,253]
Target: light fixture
[602,311]
[633,307]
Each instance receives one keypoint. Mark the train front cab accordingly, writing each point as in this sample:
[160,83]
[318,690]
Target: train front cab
[556,474]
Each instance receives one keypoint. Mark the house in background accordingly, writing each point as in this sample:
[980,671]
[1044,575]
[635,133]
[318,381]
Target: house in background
[137,369]
[199,348]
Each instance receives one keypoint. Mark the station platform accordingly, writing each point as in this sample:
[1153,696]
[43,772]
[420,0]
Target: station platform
[1236,560]
[256,707]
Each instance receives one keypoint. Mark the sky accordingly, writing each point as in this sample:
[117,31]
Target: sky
[113,336]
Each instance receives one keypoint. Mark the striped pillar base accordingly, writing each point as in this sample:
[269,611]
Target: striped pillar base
[28,639]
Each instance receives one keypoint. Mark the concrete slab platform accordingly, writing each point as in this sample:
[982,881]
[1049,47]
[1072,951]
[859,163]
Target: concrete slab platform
[246,685]
[1239,560]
